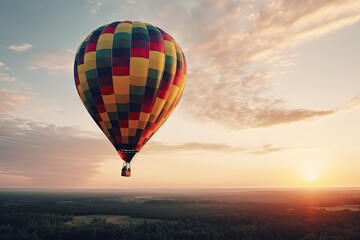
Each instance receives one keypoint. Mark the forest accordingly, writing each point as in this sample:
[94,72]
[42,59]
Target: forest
[41,215]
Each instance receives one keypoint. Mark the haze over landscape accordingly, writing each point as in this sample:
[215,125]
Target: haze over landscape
[272,96]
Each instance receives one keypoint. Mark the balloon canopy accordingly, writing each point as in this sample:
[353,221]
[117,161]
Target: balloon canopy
[130,77]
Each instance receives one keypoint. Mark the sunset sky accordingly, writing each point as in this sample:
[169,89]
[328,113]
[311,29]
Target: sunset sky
[272,96]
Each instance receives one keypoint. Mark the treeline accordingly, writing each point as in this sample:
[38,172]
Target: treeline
[46,218]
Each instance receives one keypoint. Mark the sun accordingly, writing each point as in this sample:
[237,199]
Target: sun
[310,171]
[310,175]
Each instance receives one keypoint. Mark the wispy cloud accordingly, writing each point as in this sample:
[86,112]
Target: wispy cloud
[3,65]
[95,6]
[242,103]
[55,61]
[158,147]
[11,100]
[49,155]
[21,47]
[350,105]
[6,78]
[284,24]
[266,149]
[232,51]
[59,110]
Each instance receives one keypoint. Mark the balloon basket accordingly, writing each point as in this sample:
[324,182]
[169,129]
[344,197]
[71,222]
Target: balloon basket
[126,170]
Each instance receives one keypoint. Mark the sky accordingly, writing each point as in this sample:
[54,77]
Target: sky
[272,96]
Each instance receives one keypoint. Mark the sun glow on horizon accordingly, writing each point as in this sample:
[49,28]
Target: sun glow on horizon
[310,172]
[311,167]
[311,176]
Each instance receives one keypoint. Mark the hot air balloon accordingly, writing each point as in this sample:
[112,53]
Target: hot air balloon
[130,76]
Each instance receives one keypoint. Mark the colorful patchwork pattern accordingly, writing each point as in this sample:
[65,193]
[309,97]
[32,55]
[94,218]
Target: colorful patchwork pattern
[130,76]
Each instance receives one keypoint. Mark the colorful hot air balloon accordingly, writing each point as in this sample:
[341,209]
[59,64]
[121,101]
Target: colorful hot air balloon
[130,77]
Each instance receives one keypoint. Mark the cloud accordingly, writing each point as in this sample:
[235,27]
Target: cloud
[230,54]
[59,110]
[266,149]
[49,155]
[284,24]
[158,148]
[95,6]
[7,78]
[20,47]
[11,100]
[2,65]
[351,105]
[55,61]
[242,103]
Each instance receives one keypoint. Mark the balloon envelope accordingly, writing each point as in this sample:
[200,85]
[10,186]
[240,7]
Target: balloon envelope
[130,77]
